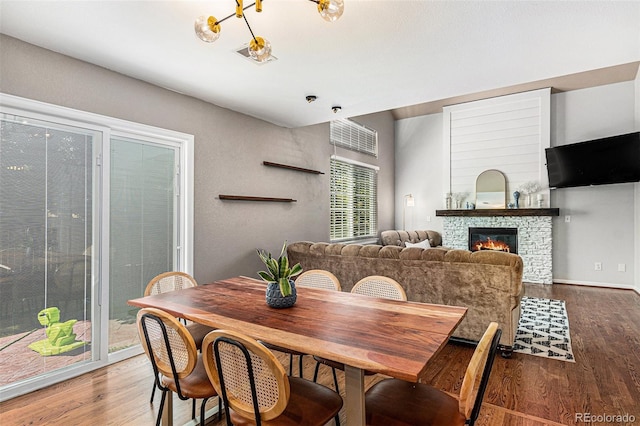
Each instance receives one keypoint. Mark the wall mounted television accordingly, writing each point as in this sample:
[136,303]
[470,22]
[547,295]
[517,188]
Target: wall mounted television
[614,159]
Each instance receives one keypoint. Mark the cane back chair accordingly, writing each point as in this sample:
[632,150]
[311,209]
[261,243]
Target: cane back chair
[256,389]
[394,402]
[177,366]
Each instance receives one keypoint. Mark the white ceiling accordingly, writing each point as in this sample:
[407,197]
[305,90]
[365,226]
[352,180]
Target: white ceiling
[381,55]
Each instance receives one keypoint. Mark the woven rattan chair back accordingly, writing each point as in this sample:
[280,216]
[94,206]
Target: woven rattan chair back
[477,374]
[167,343]
[169,281]
[379,286]
[318,278]
[248,376]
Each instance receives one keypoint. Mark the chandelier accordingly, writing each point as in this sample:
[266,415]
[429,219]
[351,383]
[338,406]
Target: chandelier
[208,28]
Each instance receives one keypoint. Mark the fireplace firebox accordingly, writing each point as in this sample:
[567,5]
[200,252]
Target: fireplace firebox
[497,239]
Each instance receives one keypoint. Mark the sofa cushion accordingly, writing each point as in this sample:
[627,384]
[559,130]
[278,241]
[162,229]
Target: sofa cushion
[400,237]
[390,252]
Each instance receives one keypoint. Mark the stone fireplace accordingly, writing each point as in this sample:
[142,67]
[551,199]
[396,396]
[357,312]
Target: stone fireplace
[533,228]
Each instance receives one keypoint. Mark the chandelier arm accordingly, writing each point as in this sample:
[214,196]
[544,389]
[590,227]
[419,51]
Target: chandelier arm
[249,26]
[234,14]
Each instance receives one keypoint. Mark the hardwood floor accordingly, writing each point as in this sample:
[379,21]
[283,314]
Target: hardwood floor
[523,390]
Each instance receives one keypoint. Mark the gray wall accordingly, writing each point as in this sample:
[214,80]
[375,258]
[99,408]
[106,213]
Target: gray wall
[229,150]
[602,218]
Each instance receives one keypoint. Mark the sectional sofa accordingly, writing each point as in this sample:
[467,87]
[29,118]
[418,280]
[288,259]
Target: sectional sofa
[488,283]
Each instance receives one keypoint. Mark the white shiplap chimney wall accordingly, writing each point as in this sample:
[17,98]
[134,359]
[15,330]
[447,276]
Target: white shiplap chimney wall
[508,133]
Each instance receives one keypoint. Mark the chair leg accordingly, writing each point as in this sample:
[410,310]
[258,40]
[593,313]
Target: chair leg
[337,419]
[193,409]
[290,364]
[335,379]
[204,402]
[300,366]
[159,419]
[315,372]
[153,392]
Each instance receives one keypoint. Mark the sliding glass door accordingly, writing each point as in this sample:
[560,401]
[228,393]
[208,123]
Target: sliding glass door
[143,227]
[91,208]
[47,195]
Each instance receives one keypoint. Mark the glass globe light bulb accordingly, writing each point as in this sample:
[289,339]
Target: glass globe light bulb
[260,49]
[331,10]
[207,28]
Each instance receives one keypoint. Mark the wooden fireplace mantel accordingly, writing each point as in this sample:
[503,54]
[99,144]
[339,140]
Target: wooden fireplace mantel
[499,212]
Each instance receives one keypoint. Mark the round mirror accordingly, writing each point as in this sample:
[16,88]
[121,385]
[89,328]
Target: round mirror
[491,188]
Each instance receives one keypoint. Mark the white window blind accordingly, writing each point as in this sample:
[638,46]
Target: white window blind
[354,201]
[356,137]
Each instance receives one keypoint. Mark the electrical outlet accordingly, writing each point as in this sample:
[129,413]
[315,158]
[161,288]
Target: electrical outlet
[598,266]
[428,218]
[622,267]
[567,218]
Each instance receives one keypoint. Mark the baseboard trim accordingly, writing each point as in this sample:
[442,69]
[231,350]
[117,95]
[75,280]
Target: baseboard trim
[598,284]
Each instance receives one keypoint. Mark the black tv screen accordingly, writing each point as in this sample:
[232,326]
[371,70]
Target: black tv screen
[614,159]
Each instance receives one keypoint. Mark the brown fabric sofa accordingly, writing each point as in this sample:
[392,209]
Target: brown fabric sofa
[488,283]
[399,237]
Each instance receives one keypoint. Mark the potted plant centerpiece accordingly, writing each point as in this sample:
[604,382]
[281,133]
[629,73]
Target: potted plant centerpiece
[281,290]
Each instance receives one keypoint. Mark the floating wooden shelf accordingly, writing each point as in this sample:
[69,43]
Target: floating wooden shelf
[298,169]
[249,198]
[498,212]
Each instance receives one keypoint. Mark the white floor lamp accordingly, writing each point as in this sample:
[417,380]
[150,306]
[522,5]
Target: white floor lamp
[407,201]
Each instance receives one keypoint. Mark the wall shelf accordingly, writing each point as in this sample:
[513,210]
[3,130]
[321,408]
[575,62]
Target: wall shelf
[251,198]
[499,212]
[297,169]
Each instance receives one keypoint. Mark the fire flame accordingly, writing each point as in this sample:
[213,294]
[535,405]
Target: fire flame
[489,244]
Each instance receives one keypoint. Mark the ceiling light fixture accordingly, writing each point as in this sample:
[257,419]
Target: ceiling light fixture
[311,98]
[208,28]
[336,109]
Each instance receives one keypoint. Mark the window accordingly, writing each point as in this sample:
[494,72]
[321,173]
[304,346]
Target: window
[354,202]
[356,137]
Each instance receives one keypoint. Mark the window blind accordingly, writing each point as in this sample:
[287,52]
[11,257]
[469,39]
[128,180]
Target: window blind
[354,201]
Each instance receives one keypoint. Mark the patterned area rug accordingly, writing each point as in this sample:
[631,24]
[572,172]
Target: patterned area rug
[543,329]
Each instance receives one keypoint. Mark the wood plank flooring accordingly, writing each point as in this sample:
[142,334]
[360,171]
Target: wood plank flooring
[523,390]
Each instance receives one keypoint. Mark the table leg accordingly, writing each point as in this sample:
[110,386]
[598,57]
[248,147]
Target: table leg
[167,412]
[354,395]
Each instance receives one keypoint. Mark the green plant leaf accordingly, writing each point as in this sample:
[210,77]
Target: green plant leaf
[284,267]
[278,269]
[285,286]
[273,266]
[296,270]
[266,276]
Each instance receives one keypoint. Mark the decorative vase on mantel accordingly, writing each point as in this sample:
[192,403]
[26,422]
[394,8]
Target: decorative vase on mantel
[275,299]
[516,197]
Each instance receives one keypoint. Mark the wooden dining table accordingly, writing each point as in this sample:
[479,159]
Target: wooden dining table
[394,338]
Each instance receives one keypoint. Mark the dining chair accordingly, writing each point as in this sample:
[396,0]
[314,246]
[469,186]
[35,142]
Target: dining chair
[375,286]
[173,281]
[316,278]
[256,389]
[394,402]
[379,286]
[177,365]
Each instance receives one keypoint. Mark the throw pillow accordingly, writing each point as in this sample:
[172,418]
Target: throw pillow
[422,244]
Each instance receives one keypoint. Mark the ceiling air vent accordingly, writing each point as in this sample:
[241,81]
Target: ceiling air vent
[244,52]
